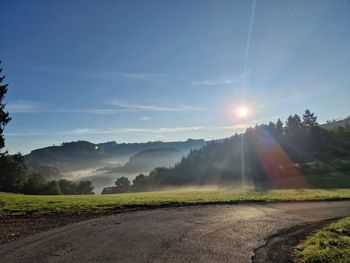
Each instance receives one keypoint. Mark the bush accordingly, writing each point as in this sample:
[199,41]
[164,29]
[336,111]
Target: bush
[35,185]
[68,187]
[52,188]
[85,188]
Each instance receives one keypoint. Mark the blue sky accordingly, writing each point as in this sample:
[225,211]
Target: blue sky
[133,71]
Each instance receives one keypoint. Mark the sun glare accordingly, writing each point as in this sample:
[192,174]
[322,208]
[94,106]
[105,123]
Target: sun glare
[242,111]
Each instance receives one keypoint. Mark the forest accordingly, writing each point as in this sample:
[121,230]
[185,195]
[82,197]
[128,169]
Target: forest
[296,154]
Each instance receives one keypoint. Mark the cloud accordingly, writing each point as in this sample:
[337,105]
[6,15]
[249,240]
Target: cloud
[179,129]
[223,80]
[115,108]
[104,111]
[23,106]
[25,134]
[142,76]
[146,118]
[235,127]
[250,30]
[104,74]
[143,107]
[250,123]
[89,131]
[33,107]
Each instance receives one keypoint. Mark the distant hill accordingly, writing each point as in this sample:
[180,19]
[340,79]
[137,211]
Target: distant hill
[147,160]
[336,123]
[79,155]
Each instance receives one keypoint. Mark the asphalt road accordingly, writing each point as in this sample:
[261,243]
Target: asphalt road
[212,233]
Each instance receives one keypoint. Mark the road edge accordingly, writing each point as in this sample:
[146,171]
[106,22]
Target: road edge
[278,248]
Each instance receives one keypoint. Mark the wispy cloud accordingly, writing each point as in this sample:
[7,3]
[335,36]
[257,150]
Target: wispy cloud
[234,127]
[250,30]
[146,118]
[179,129]
[24,106]
[104,74]
[25,134]
[144,107]
[89,131]
[115,107]
[250,123]
[143,76]
[226,80]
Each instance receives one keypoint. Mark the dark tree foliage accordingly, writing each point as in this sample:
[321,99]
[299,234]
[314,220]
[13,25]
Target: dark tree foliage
[309,119]
[85,188]
[13,173]
[293,124]
[52,188]
[4,115]
[279,127]
[36,184]
[141,183]
[122,185]
[68,187]
[264,157]
[17,176]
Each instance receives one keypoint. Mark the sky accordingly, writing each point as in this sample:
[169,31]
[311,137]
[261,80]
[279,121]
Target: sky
[137,71]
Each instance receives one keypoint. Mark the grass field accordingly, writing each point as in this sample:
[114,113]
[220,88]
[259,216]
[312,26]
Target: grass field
[19,205]
[329,244]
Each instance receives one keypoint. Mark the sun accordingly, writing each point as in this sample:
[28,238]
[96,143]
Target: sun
[242,111]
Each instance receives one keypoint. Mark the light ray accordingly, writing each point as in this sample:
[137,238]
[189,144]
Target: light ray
[281,170]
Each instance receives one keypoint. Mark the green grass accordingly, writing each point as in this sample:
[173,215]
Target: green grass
[18,205]
[329,244]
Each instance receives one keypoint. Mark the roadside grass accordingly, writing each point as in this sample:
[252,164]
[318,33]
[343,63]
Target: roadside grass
[33,205]
[329,244]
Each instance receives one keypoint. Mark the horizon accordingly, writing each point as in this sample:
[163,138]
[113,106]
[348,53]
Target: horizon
[137,72]
[153,141]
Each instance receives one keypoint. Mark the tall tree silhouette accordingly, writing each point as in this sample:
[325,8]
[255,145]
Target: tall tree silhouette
[309,119]
[293,123]
[279,127]
[4,115]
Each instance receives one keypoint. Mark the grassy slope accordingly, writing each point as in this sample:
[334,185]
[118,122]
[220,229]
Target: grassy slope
[329,244]
[16,204]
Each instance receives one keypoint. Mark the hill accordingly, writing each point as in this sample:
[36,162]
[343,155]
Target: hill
[149,159]
[336,123]
[80,155]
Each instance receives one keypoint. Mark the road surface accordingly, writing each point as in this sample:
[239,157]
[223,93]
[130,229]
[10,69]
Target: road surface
[210,233]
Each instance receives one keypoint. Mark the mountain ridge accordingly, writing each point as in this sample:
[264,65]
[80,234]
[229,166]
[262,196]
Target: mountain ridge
[79,155]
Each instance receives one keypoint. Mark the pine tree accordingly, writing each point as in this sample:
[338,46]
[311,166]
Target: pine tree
[309,119]
[293,123]
[4,116]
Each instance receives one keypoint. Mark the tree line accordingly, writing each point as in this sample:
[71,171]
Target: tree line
[16,176]
[268,155]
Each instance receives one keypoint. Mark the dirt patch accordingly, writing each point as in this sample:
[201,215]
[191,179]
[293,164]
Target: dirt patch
[15,227]
[12,228]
